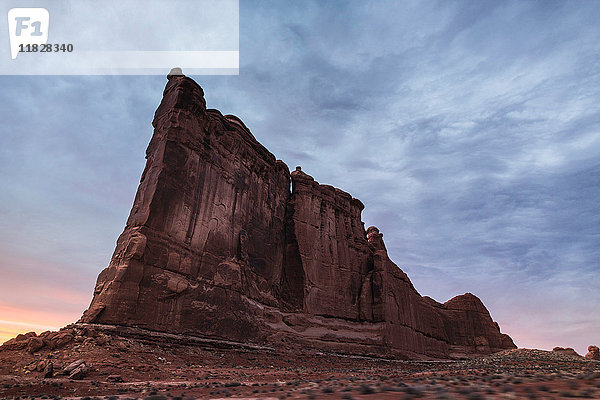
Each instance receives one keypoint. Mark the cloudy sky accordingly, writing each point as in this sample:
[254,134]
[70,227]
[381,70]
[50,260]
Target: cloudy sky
[470,130]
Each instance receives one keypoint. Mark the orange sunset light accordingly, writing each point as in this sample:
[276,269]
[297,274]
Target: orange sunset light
[15,320]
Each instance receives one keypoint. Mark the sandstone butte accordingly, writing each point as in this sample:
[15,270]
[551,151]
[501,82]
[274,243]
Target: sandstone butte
[218,246]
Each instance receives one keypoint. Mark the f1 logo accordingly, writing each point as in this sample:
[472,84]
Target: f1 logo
[27,26]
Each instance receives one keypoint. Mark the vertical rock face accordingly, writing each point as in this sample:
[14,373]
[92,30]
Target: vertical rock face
[217,245]
[334,253]
[206,227]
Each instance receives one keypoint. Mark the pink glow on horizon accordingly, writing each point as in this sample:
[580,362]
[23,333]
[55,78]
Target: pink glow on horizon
[525,337]
[16,320]
[37,295]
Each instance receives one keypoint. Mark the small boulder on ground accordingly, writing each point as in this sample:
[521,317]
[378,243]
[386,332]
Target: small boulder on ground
[49,370]
[79,372]
[40,366]
[76,370]
[114,378]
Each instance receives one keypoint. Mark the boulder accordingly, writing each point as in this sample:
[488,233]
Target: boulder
[49,370]
[56,340]
[62,339]
[72,366]
[34,344]
[79,372]
[593,353]
[114,378]
[566,351]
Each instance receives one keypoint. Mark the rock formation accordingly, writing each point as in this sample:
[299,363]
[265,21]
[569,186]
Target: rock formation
[32,342]
[593,353]
[568,351]
[217,245]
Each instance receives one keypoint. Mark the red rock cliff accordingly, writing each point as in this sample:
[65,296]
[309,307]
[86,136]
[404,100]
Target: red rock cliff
[217,245]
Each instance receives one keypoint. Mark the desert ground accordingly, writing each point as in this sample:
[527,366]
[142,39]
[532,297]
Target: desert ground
[161,368]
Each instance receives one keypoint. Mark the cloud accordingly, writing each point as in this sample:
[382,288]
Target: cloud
[469,130]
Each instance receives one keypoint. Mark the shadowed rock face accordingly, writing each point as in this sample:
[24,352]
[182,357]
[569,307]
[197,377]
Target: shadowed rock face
[217,245]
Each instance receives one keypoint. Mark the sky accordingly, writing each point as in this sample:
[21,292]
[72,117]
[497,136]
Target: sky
[470,130]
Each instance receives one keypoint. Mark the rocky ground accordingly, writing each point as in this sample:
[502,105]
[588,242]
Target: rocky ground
[107,365]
